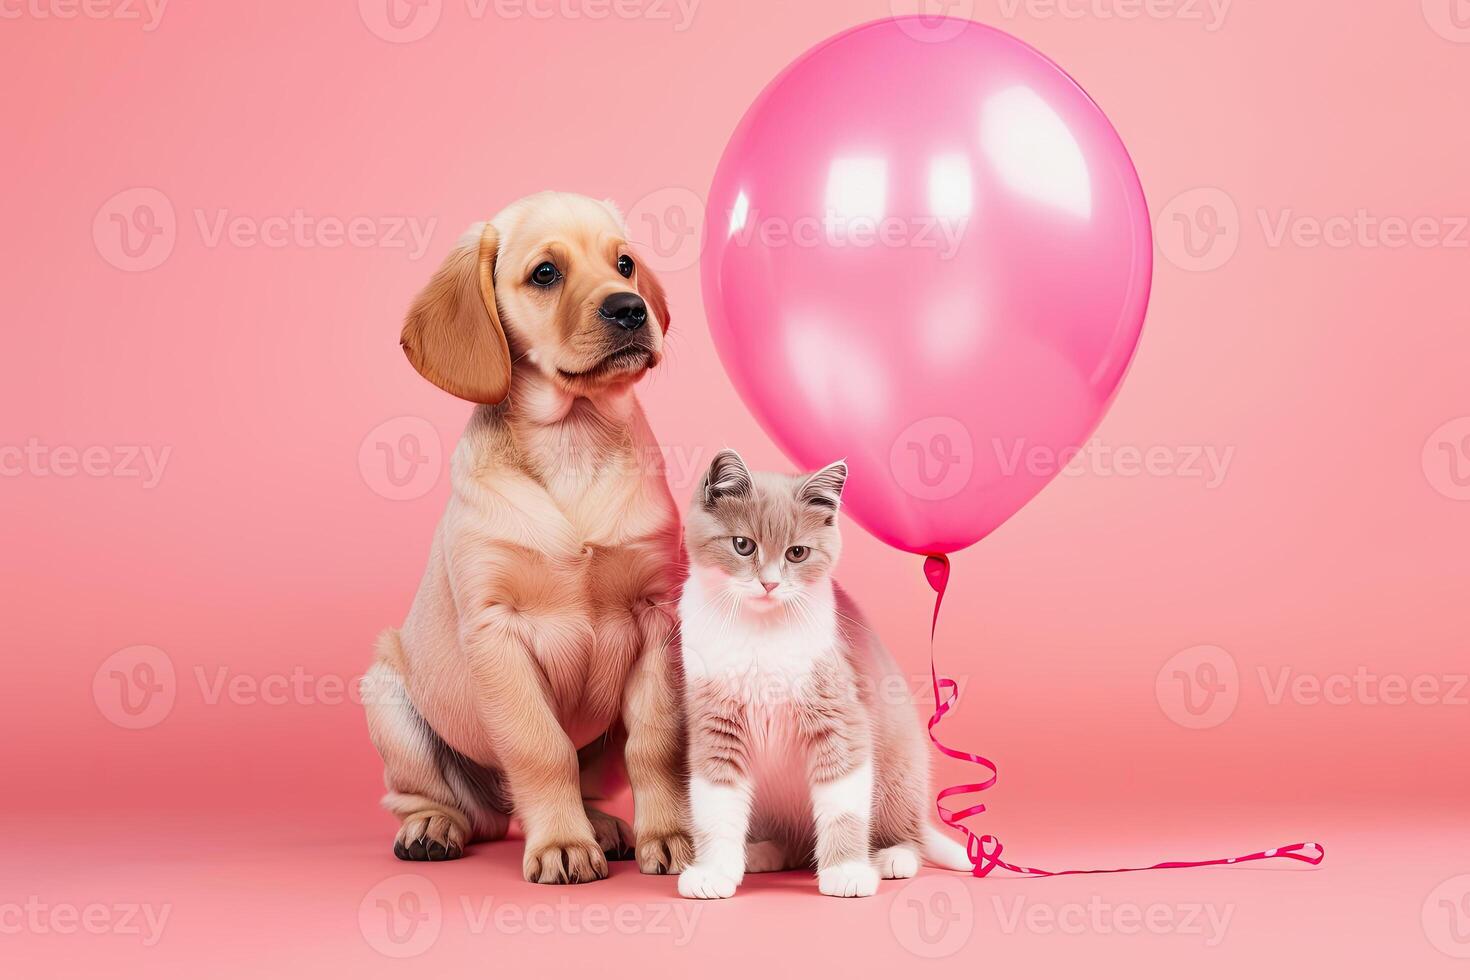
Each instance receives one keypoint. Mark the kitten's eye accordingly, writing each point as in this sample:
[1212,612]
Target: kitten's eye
[625,267]
[797,553]
[744,547]
[545,274]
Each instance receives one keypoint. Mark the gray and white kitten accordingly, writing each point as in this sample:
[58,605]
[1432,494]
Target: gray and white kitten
[804,748]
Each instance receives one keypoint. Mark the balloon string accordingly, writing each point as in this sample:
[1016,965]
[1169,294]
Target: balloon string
[984,850]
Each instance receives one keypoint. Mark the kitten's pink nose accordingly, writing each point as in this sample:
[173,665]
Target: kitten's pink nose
[769,586]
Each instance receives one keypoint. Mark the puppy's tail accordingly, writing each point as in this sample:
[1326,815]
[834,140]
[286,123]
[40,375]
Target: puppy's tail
[943,851]
[389,649]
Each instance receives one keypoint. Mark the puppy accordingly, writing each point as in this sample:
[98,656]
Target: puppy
[538,647]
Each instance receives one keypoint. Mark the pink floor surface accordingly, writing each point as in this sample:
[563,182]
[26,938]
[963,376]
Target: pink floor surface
[179,898]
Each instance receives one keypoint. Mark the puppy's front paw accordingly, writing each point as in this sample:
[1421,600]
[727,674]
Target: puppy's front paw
[851,879]
[664,854]
[564,862]
[707,881]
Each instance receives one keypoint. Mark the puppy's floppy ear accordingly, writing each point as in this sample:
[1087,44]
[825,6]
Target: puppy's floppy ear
[452,334]
[653,294]
[727,477]
[824,487]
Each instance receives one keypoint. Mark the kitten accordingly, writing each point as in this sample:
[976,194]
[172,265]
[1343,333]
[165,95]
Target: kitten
[804,749]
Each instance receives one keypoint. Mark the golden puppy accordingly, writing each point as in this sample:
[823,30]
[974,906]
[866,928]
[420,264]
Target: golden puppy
[538,643]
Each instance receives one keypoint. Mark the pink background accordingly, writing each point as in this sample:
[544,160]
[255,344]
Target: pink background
[1334,374]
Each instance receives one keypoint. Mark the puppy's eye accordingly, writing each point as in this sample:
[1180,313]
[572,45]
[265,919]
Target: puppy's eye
[797,553]
[625,267]
[545,274]
[744,547]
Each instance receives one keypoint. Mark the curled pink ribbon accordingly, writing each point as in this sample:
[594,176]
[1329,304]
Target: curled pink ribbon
[984,850]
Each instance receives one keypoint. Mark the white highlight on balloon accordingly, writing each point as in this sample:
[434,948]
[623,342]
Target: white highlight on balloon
[1034,152]
[857,192]
[950,183]
[739,214]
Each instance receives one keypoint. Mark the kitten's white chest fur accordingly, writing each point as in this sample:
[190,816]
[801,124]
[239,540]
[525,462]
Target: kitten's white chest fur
[764,661]
[774,649]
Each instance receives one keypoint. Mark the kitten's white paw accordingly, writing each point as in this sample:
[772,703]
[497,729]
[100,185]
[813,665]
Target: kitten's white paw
[707,881]
[898,862]
[764,855]
[851,879]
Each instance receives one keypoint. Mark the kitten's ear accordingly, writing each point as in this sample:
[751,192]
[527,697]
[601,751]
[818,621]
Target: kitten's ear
[728,476]
[824,487]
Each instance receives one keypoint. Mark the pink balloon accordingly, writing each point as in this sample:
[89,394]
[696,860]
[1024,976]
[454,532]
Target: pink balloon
[929,254]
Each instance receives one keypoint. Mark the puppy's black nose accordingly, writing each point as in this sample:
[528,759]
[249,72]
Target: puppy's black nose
[624,309]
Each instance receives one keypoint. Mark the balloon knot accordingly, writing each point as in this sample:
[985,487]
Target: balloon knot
[936,570]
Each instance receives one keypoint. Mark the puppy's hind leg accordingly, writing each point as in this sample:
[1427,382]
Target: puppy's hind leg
[602,774]
[438,796]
